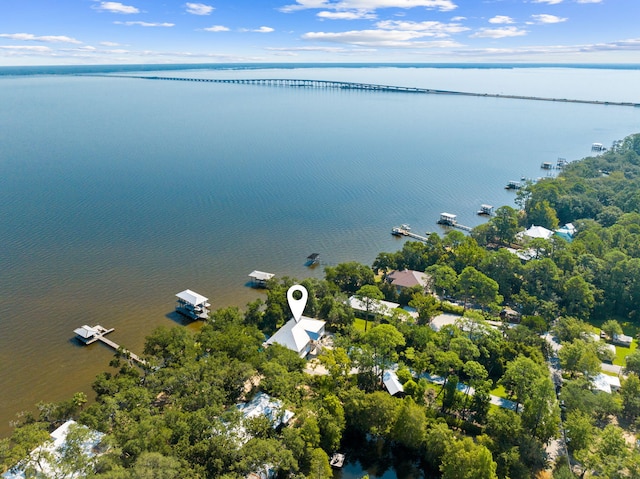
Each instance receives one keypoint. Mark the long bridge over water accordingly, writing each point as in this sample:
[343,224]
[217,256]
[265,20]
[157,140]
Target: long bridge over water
[342,85]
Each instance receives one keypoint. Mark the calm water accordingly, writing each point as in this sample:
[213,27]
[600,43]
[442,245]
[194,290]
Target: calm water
[115,193]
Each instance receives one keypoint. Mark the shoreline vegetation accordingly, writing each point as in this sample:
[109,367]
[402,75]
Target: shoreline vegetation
[538,328]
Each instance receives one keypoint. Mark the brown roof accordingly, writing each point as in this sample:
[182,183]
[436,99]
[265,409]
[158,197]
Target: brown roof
[408,278]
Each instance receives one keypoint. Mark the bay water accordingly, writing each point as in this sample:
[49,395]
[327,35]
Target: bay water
[118,193]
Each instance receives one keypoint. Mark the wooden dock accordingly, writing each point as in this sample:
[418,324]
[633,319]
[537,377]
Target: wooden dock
[89,335]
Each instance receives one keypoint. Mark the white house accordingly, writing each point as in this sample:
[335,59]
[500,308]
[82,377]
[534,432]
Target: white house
[378,306]
[622,340]
[605,383]
[43,459]
[299,336]
[537,232]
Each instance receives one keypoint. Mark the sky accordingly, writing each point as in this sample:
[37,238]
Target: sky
[76,32]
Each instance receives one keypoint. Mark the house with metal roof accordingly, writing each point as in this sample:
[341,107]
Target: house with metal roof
[299,336]
[378,306]
[44,460]
[392,383]
[192,305]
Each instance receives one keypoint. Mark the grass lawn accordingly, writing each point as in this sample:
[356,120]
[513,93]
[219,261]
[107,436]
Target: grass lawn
[359,324]
[622,352]
[500,391]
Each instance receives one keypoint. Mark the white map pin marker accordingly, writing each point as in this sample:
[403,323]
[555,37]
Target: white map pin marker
[297,305]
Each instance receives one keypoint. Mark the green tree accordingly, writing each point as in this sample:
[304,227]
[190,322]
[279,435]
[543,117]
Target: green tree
[369,295]
[630,393]
[633,362]
[579,430]
[349,277]
[578,299]
[580,356]
[505,223]
[410,424]
[319,467]
[542,214]
[477,286]
[444,278]
[464,459]
[384,339]
[426,306]
[520,377]
[541,412]
[612,328]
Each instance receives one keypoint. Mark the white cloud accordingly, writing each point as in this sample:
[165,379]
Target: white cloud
[199,8]
[216,28]
[116,7]
[548,2]
[499,32]
[544,18]
[361,15]
[145,24]
[379,38]
[26,48]
[589,1]
[109,44]
[258,30]
[321,49]
[458,19]
[34,38]
[501,19]
[436,29]
[369,5]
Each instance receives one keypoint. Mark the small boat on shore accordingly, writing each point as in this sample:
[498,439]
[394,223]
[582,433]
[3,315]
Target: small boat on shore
[337,460]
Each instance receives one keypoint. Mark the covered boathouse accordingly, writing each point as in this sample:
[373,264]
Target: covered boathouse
[192,305]
[259,278]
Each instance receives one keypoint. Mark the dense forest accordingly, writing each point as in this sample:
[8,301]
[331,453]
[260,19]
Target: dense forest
[175,416]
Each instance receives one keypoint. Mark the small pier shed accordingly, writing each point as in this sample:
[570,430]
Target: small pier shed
[192,305]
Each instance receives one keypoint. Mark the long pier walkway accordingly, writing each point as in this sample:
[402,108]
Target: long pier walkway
[404,231]
[341,85]
[91,335]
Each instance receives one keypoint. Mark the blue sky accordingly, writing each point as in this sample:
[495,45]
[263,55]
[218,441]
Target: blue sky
[61,32]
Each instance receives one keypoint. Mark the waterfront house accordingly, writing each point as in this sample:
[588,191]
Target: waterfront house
[408,279]
[192,305]
[44,460]
[536,232]
[299,336]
